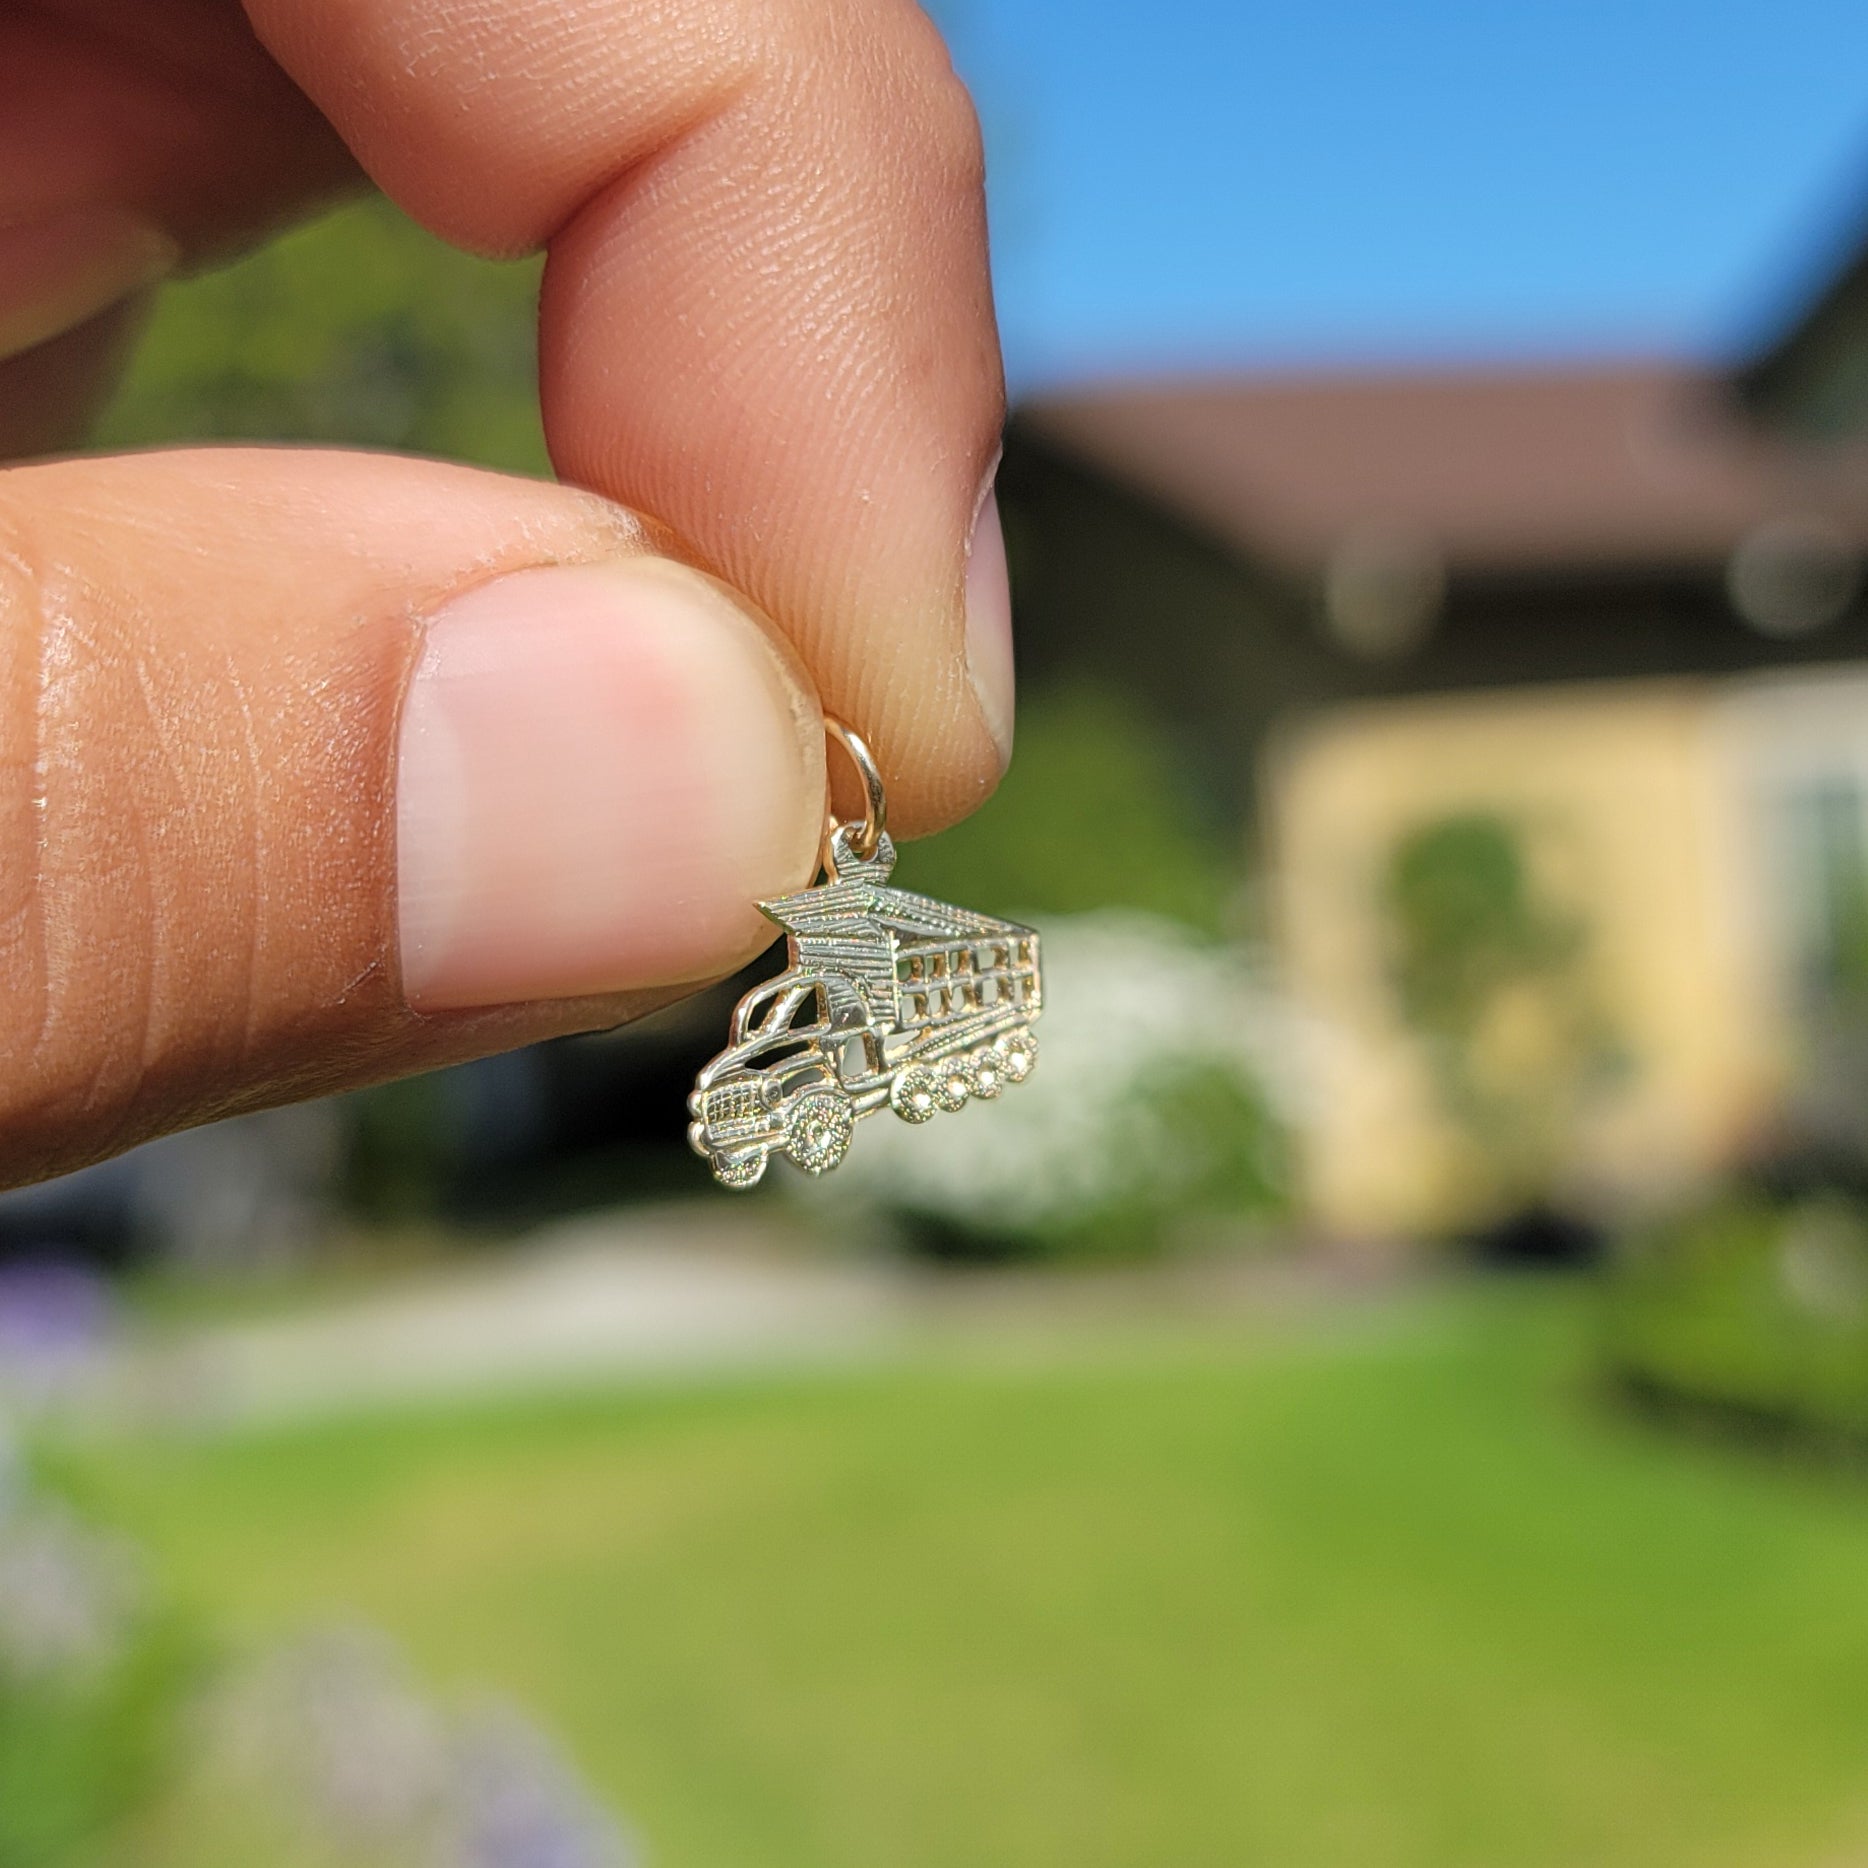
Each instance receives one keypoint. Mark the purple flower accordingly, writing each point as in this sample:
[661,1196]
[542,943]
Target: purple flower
[50,1312]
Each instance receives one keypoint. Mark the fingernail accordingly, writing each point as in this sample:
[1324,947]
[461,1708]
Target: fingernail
[989,621]
[601,770]
[59,270]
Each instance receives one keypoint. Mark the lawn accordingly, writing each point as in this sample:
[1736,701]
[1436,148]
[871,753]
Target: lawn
[1384,1589]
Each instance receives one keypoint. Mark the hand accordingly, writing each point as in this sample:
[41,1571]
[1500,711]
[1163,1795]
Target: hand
[316,767]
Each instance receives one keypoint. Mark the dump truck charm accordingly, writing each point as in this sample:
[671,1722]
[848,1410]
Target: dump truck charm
[890,1000]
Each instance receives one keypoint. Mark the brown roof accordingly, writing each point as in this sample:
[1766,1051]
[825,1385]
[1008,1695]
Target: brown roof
[1601,465]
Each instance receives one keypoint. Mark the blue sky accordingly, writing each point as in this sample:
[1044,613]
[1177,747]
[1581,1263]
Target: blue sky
[1190,183]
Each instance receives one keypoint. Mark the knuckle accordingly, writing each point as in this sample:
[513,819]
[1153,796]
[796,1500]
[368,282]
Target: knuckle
[892,55]
[946,119]
[960,142]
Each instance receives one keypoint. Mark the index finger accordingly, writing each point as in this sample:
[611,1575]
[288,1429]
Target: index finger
[766,318]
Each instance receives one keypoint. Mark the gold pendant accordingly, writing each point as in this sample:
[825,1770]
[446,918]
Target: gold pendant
[890,1000]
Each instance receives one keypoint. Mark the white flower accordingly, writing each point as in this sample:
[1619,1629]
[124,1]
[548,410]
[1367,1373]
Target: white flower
[68,1595]
[1127,999]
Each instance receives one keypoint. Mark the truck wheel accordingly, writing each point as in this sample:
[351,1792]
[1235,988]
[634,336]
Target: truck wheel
[988,1072]
[818,1130]
[741,1170]
[1019,1050]
[913,1094]
[953,1082]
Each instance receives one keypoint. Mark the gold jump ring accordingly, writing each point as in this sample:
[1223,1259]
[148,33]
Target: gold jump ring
[868,839]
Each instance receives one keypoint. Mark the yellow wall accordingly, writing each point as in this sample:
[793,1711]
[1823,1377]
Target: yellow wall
[1627,803]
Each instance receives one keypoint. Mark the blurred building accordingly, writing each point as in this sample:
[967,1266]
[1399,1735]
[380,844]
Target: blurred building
[1544,695]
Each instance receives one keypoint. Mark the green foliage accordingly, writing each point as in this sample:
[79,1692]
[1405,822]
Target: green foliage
[1493,980]
[402,1144]
[82,1751]
[1749,1310]
[1211,1148]
[1467,922]
[359,329]
[1092,814]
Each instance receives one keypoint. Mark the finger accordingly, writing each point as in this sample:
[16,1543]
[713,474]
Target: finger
[317,768]
[766,317]
[51,393]
[133,141]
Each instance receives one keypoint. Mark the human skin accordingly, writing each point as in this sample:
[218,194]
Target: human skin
[317,768]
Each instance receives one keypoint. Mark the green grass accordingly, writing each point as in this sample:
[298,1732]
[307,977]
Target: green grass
[1383,1590]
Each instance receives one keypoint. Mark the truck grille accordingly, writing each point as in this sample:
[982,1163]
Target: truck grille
[736,1109]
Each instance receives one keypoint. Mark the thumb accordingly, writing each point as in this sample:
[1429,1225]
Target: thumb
[320,768]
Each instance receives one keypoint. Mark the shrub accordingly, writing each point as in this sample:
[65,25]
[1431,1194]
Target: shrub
[1750,1310]
[1160,1101]
[1492,979]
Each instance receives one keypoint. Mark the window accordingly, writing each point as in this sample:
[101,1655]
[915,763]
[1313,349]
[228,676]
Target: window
[1825,829]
